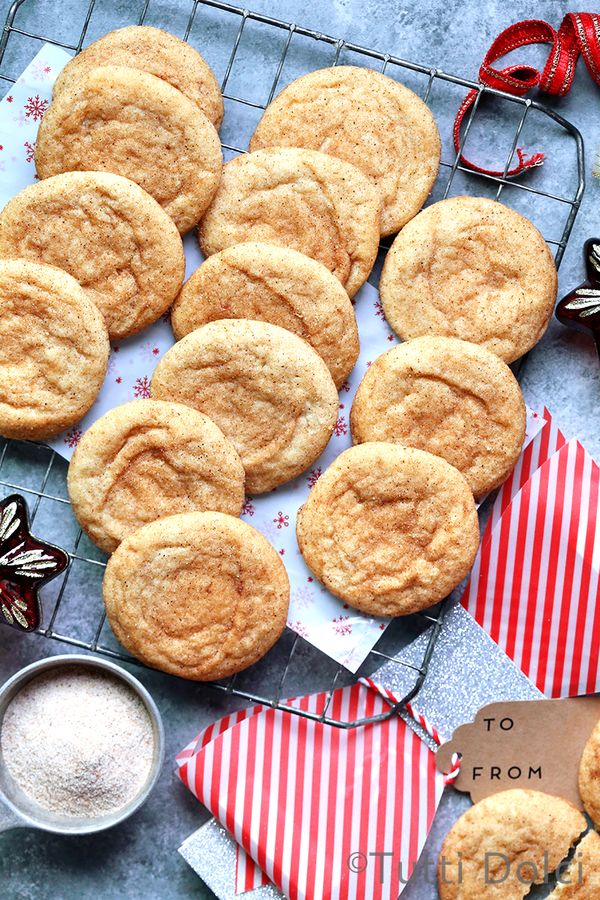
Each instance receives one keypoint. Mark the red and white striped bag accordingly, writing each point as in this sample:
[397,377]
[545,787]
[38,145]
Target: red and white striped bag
[535,586]
[315,806]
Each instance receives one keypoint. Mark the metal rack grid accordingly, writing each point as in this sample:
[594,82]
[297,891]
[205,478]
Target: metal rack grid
[432,619]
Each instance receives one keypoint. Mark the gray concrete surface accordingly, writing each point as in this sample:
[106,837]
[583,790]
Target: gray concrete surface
[139,859]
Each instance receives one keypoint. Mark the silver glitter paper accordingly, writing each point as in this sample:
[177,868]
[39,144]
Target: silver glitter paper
[467,671]
[210,852]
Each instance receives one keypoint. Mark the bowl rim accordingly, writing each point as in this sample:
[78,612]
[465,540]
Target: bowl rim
[22,677]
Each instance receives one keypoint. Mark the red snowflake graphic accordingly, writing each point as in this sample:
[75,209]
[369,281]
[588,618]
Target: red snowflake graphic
[47,70]
[299,628]
[73,437]
[248,508]
[35,108]
[141,388]
[282,521]
[282,552]
[381,627]
[9,99]
[118,379]
[345,386]
[341,626]
[314,476]
[155,351]
[340,427]
[390,337]
[369,364]
[29,150]
[378,308]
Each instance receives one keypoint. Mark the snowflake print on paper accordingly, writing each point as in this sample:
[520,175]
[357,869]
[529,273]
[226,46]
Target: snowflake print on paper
[35,108]
[345,386]
[299,628]
[281,521]
[342,626]
[302,597]
[378,309]
[248,507]
[314,476]
[340,428]
[73,437]
[268,528]
[29,151]
[141,388]
[9,99]
[40,71]
[149,351]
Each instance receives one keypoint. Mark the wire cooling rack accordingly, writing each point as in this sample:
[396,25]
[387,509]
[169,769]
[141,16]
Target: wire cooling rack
[255,56]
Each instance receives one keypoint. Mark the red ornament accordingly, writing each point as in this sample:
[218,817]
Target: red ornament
[581,307]
[26,563]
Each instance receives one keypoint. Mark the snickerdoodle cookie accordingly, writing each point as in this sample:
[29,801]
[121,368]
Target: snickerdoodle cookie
[268,391]
[589,776]
[107,233]
[201,595]
[471,268]
[450,397]
[278,285]
[367,119]
[389,529]
[53,350]
[507,834]
[156,52]
[148,459]
[581,881]
[125,121]
[317,204]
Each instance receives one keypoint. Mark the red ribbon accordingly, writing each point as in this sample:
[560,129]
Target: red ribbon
[579,34]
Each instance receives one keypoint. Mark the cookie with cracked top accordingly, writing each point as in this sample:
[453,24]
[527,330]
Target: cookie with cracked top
[470,268]
[450,397]
[268,391]
[53,350]
[391,530]
[125,121]
[322,206]
[106,232]
[369,120]
[277,285]
[148,459]
[504,844]
[156,52]
[201,595]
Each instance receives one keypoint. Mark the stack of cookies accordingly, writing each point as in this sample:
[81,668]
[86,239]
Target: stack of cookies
[129,159]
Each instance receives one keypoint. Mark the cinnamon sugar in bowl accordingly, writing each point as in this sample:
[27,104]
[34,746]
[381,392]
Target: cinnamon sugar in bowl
[81,745]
